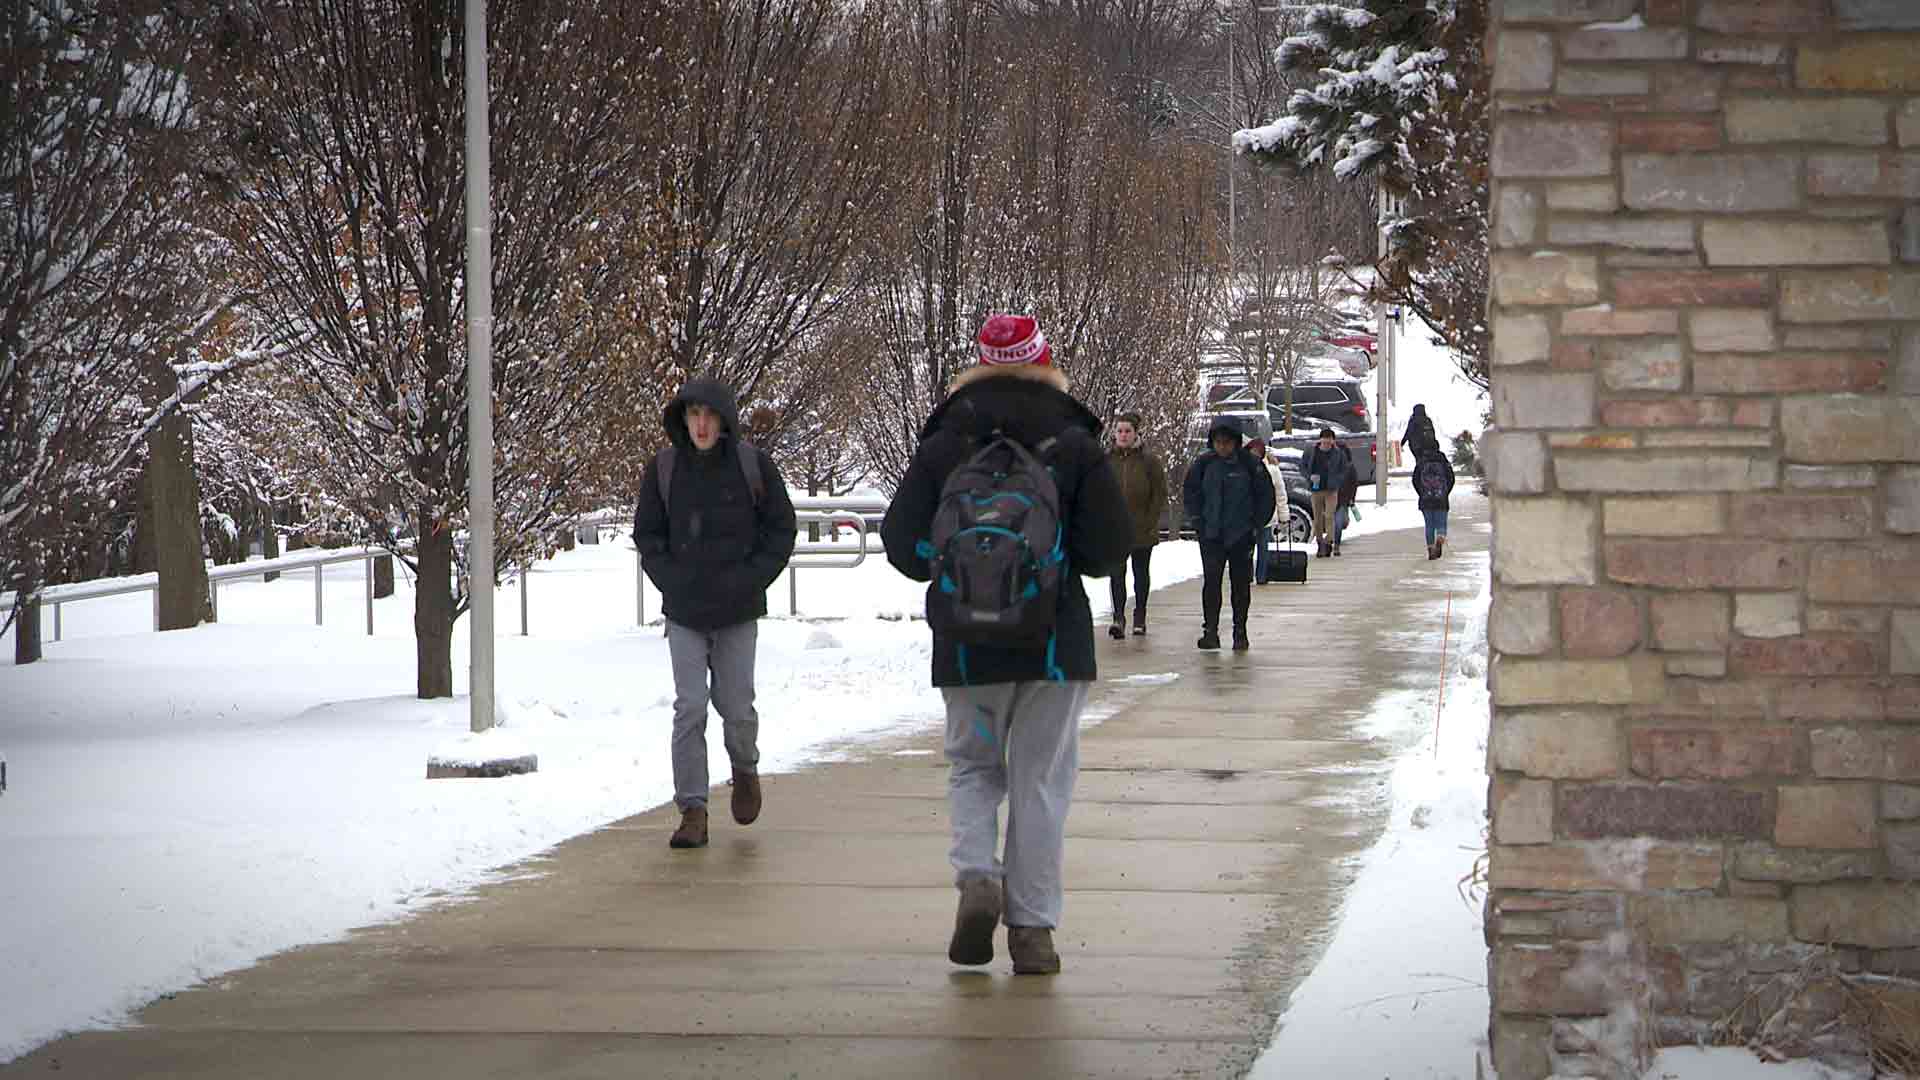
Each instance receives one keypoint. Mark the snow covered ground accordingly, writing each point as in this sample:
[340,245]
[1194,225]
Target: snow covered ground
[183,804]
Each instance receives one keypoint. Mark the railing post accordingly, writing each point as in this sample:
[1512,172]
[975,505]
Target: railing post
[156,609]
[793,590]
[213,599]
[639,590]
[369,568]
[319,615]
[56,620]
[523,601]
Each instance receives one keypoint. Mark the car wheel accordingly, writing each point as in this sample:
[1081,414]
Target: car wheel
[1299,525]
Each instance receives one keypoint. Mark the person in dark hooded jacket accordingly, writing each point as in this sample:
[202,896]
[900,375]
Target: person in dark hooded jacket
[714,526]
[1229,498]
[1013,712]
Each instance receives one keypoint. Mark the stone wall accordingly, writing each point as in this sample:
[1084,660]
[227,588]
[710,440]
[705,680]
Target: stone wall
[1705,751]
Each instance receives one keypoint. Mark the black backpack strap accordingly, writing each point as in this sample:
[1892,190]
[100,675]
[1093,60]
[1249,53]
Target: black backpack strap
[663,474]
[750,468]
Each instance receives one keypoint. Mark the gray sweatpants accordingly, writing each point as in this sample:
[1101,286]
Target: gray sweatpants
[1018,742]
[728,654]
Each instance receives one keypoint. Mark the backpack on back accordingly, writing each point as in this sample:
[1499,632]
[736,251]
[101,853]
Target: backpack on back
[1422,439]
[998,547]
[1430,478]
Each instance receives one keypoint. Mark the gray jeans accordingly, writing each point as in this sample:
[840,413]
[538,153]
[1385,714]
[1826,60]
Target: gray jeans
[728,654]
[1019,743]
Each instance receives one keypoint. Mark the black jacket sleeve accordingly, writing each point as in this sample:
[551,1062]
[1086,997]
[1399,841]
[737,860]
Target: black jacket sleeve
[1193,492]
[909,520]
[652,536]
[774,538]
[1449,467]
[1099,528]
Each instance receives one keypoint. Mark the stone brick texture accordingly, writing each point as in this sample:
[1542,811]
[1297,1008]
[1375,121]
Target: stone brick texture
[1705,299]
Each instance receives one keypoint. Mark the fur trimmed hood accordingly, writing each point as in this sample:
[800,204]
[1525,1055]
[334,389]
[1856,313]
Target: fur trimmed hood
[1045,374]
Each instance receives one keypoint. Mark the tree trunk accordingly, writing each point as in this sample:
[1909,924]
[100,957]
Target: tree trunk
[174,492]
[433,614]
[26,628]
[382,577]
[270,537]
[146,529]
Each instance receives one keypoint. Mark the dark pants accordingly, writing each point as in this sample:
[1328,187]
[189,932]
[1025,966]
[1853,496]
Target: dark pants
[1142,585]
[1237,562]
[1262,553]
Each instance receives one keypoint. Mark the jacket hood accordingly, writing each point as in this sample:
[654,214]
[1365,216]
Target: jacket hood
[712,393]
[1003,395]
[1228,428]
[1418,410]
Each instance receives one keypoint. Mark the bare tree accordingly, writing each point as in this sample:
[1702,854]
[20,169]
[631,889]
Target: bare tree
[344,200]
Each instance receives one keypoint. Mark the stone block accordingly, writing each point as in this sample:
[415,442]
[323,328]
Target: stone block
[1907,123]
[1845,620]
[1544,542]
[1885,573]
[1522,61]
[1516,216]
[1643,364]
[1598,196]
[1903,850]
[1521,339]
[1767,615]
[1906,365]
[1567,11]
[1551,146]
[1764,862]
[1837,338]
[1573,354]
[1688,920]
[1864,175]
[1522,1047]
[1596,623]
[1669,134]
[1669,515]
[1876,15]
[1520,621]
[1731,330]
[1865,753]
[1605,320]
[1697,665]
[1877,915]
[1576,744]
[1831,476]
[1827,816]
[1543,401]
[1664,811]
[1829,655]
[1761,16]
[1720,439]
[1873,64]
[1643,288]
[1634,680]
[1904,633]
[1515,462]
[1523,811]
[1558,980]
[1854,121]
[1910,234]
[1546,277]
[1846,428]
[1711,699]
[1593,80]
[1706,563]
[1713,753]
[1727,50]
[1794,243]
[1788,373]
[1903,499]
[1715,183]
[1665,471]
[1592,440]
[1676,412]
[1605,867]
[1900,802]
[1804,517]
[1830,699]
[1903,700]
[1653,43]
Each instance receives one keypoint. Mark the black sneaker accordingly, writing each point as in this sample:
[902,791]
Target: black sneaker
[1139,628]
[1336,549]
[1209,640]
[1240,642]
[1117,631]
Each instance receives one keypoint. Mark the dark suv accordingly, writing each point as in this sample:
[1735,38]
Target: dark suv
[1315,402]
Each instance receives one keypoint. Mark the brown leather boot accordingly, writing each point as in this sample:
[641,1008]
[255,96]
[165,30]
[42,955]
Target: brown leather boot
[1032,950]
[974,923]
[692,832]
[746,795]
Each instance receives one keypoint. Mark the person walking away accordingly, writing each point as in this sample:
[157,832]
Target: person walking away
[1419,435]
[1349,495]
[1227,496]
[1325,467]
[1007,502]
[1263,541]
[1143,485]
[714,526]
[1433,482]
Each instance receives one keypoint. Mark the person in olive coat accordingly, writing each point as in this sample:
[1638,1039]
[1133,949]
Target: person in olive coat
[1143,484]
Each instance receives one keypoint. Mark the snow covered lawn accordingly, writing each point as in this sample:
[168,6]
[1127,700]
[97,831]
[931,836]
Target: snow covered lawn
[182,804]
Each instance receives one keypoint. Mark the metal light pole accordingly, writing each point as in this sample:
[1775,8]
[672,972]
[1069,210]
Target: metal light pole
[479,370]
[1383,378]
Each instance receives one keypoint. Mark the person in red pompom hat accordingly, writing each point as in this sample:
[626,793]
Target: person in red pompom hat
[1013,648]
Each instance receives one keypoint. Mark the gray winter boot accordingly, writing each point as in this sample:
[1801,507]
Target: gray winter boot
[974,923]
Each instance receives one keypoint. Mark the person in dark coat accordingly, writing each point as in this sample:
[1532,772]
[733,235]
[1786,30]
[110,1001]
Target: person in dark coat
[1013,713]
[1326,467]
[1228,498]
[1419,435]
[1349,494]
[713,534]
[1143,483]
[1433,483]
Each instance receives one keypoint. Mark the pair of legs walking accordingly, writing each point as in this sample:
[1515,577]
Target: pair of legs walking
[726,655]
[1141,559]
[1236,563]
[1325,504]
[1017,743]
[1436,532]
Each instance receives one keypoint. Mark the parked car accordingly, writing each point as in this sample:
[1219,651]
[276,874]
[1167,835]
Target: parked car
[1315,401]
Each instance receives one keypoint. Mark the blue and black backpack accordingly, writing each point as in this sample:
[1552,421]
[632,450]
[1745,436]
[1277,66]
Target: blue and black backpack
[998,547]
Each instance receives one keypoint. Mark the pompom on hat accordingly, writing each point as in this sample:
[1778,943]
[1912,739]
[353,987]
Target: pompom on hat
[1014,339]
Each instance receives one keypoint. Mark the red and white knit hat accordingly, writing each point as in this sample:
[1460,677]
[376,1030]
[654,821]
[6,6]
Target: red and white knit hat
[1014,339]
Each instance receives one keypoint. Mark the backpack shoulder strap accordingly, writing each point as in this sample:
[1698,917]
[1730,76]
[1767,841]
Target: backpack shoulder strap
[663,474]
[750,468]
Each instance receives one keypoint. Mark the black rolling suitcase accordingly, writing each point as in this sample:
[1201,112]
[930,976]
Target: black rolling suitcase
[1287,565]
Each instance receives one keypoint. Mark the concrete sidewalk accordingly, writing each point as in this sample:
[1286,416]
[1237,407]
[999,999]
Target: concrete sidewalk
[1210,843]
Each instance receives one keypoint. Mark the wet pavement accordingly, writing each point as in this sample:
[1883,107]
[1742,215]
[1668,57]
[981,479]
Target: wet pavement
[1223,799]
